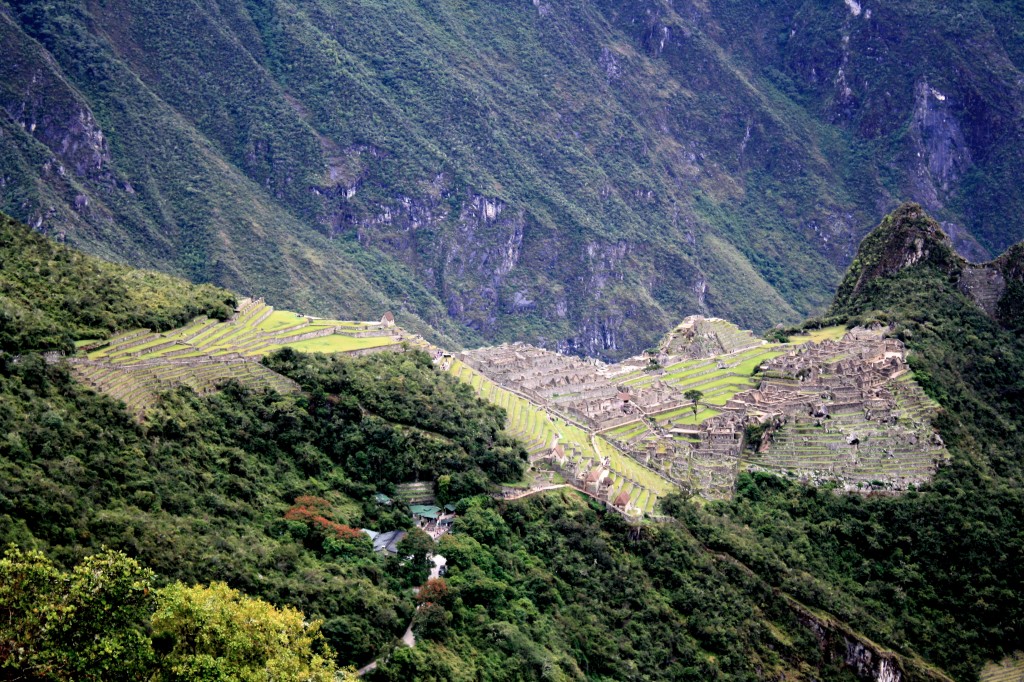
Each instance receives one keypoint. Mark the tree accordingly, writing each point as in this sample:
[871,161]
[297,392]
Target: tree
[694,396]
[217,633]
[413,560]
[88,624]
[308,520]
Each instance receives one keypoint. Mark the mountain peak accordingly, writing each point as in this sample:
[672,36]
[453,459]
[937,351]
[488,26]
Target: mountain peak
[905,238]
[909,237]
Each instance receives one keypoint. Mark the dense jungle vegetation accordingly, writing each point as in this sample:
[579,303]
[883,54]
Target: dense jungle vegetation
[220,500]
[51,296]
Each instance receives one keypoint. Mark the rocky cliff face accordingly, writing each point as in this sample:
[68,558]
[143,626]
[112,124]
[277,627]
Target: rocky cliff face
[908,238]
[865,659]
[583,192]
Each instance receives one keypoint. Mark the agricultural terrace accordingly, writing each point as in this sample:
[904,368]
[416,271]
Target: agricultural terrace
[137,365]
[1010,669]
[541,431]
[818,335]
[719,378]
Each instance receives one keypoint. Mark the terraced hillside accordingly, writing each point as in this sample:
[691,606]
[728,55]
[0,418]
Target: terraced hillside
[859,452]
[136,366]
[718,378]
[831,405]
[697,337]
[572,449]
[1010,669]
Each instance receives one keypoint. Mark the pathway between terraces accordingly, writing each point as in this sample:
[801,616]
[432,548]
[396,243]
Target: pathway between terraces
[518,495]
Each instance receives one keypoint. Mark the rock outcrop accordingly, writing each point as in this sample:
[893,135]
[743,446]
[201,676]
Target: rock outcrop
[841,645]
[909,237]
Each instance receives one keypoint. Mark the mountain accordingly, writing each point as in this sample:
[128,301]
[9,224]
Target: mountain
[580,174]
[265,490]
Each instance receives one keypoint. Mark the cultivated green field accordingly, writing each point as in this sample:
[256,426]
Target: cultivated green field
[819,335]
[336,344]
[135,366]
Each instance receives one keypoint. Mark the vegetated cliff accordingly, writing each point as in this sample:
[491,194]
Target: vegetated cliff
[866,659]
[909,237]
[581,174]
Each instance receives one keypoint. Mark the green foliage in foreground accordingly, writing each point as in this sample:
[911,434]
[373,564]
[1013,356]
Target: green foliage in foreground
[201,490]
[216,633]
[103,620]
[51,295]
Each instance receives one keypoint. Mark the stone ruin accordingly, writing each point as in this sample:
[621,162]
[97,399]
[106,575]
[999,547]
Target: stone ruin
[704,337]
[837,411]
[843,411]
[596,478]
[583,390]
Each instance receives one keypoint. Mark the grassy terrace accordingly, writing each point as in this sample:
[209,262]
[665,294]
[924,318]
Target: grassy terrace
[523,419]
[1010,669]
[539,430]
[139,364]
[717,385]
[819,335]
[685,416]
[280,319]
[253,335]
[705,372]
[334,344]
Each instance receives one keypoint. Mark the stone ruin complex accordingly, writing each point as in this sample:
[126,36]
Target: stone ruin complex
[703,337]
[843,411]
[585,391]
[846,411]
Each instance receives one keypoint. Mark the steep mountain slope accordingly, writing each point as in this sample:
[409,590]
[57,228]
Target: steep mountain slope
[941,568]
[581,174]
[931,93]
[265,491]
[52,296]
[784,579]
[158,193]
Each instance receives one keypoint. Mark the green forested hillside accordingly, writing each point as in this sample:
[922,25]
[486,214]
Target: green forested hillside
[264,492]
[941,569]
[51,296]
[579,173]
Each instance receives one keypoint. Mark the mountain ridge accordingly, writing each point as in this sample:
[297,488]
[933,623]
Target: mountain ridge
[590,173]
[909,237]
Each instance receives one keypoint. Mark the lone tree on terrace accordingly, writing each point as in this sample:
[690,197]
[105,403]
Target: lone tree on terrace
[694,396]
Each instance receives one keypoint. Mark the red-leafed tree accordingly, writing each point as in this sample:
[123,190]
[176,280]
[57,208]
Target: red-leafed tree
[310,521]
[434,591]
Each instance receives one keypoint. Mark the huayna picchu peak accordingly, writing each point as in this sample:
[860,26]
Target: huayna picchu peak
[909,237]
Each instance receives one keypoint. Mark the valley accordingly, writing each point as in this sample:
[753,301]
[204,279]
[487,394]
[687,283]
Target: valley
[578,194]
